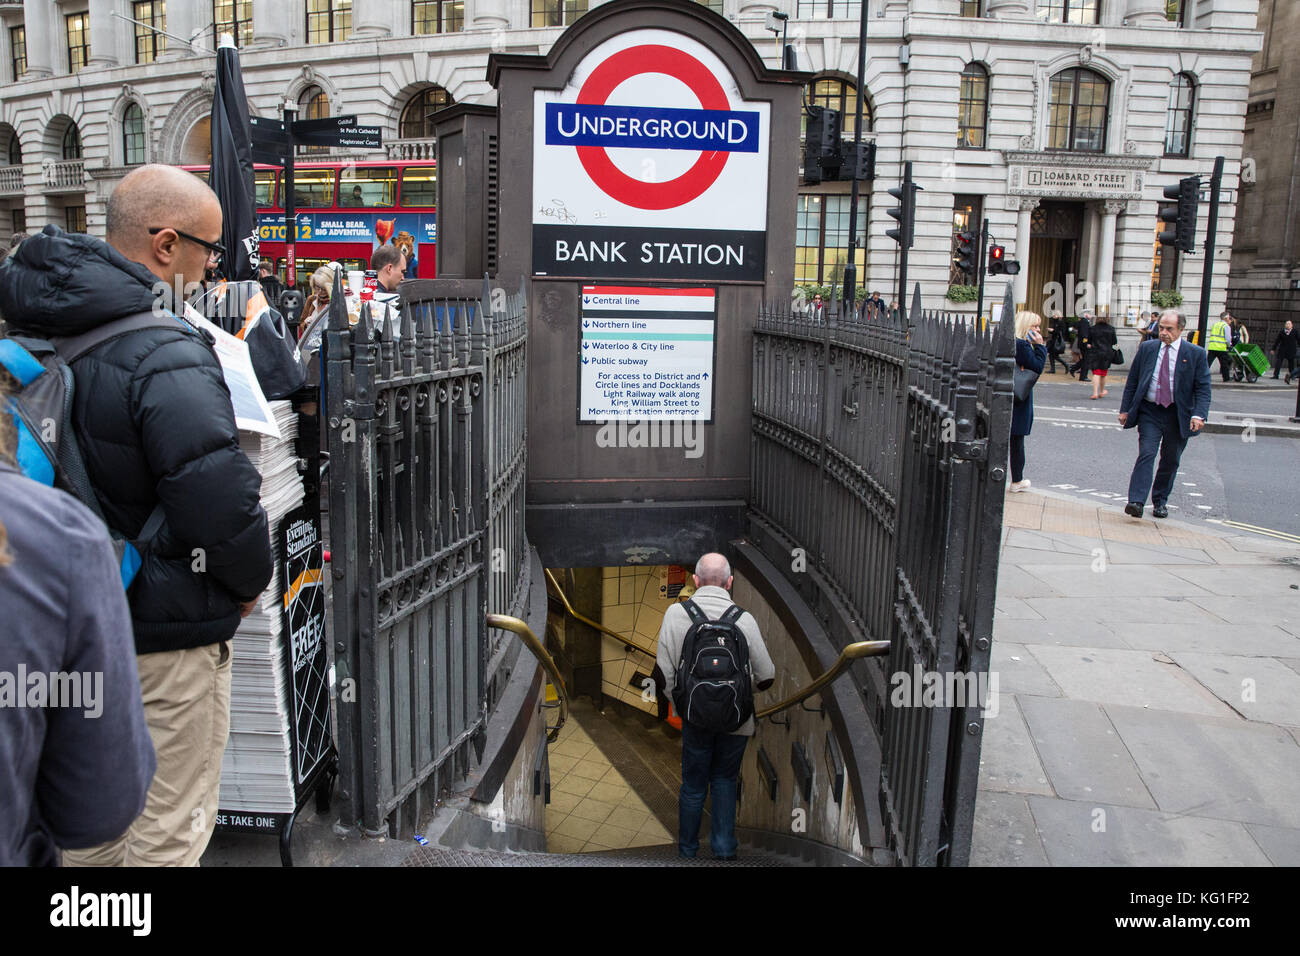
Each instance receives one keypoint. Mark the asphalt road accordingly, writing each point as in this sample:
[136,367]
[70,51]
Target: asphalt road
[1078,448]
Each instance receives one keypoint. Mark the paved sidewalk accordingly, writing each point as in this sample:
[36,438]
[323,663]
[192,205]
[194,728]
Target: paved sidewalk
[1149,694]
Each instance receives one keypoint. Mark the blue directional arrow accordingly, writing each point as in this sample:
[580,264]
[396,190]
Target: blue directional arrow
[586,300]
[584,345]
[585,323]
[706,374]
[584,360]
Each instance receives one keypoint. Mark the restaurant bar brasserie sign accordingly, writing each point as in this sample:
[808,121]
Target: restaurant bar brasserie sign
[1096,178]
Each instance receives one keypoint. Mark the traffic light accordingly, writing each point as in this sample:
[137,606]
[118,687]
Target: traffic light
[858,162]
[821,149]
[999,264]
[904,212]
[1183,236]
[966,252]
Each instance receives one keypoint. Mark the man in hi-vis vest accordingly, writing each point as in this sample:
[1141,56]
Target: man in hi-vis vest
[1217,343]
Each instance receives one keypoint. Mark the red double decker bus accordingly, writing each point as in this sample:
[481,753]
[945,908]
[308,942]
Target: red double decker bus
[346,211]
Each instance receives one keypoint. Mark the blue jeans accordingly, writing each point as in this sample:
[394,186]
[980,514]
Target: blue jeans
[710,761]
[1158,431]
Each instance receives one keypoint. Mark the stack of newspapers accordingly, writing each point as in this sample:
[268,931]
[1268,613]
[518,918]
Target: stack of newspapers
[256,774]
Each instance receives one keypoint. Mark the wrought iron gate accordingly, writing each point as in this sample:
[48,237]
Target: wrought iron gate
[426,528]
[879,463]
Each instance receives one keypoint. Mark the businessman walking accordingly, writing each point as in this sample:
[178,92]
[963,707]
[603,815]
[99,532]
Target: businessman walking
[1166,397]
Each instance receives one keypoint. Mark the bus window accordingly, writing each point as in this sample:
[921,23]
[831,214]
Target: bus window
[306,267]
[419,186]
[265,187]
[368,186]
[313,188]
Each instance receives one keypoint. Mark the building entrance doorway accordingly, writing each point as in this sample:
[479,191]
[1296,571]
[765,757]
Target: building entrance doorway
[1055,244]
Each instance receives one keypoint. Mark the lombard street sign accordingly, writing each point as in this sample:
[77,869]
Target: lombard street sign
[1076,175]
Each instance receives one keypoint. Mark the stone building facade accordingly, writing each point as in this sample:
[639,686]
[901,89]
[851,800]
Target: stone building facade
[1264,288]
[1057,120]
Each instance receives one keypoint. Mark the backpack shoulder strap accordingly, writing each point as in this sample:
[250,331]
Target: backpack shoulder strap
[73,347]
[732,614]
[693,610]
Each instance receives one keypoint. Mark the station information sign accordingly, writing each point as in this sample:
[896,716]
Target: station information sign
[647,353]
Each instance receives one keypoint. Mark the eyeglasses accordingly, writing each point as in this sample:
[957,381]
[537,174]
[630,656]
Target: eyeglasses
[215,248]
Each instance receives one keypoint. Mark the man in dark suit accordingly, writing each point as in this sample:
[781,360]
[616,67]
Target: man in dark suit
[1166,397]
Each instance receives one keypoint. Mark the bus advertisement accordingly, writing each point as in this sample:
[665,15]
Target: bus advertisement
[347,210]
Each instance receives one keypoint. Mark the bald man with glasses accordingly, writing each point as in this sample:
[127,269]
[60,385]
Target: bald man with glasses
[154,423]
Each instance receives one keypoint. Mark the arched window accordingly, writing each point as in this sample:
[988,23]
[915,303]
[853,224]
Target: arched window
[72,142]
[415,122]
[973,107]
[1067,11]
[314,103]
[836,94]
[1077,111]
[1178,120]
[133,135]
[15,150]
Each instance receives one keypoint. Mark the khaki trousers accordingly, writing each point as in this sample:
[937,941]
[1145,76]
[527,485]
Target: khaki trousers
[187,707]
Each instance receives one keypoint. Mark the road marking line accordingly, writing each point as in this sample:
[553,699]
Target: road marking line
[1284,535]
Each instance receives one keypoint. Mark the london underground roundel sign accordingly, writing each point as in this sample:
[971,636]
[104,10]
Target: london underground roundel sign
[648,164]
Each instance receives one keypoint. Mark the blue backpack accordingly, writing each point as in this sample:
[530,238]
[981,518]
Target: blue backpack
[47,448]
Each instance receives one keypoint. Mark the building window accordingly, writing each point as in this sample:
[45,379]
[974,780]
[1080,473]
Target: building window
[415,122]
[15,150]
[1068,11]
[18,50]
[437,16]
[967,216]
[973,107]
[149,43]
[19,219]
[77,30]
[329,21]
[133,135]
[971,8]
[1080,101]
[714,5]
[314,103]
[74,218]
[1164,261]
[829,10]
[1176,11]
[234,17]
[557,13]
[837,94]
[1178,121]
[72,142]
[822,238]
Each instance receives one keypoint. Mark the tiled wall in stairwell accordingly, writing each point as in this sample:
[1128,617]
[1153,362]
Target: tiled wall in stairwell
[633,603]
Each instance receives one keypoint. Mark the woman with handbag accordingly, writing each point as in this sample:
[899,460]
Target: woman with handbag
[1100,354]
[1031,353]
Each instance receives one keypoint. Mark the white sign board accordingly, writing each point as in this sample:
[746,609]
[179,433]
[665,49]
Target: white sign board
[648,164]
[646,353]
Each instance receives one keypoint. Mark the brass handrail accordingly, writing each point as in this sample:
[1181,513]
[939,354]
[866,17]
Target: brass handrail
[516,626]
[559,592]
[847,657]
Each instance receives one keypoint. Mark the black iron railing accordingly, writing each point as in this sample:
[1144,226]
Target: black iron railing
[878,471]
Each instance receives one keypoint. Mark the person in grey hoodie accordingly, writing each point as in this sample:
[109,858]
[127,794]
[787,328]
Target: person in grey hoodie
[76,759]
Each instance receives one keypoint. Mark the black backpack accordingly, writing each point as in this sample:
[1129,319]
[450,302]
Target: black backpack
[714,690]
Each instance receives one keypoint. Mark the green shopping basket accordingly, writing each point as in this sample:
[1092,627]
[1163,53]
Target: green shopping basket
[1253,356]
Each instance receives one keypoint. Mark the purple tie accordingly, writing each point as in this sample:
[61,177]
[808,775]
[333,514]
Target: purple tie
[1164,394]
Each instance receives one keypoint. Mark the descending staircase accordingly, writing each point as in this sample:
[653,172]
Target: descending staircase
[648,756]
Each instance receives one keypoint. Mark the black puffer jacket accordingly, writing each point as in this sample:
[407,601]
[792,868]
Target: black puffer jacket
[154,422]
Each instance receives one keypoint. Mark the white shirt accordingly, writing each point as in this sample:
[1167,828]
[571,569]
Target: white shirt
[1173,364]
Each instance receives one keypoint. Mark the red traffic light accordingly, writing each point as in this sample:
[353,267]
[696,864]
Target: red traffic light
[996,252]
